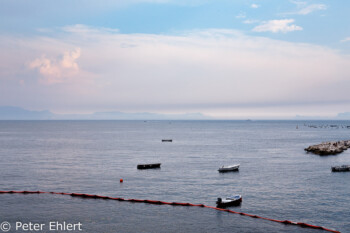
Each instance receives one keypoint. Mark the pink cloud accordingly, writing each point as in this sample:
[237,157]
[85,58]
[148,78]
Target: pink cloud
[57,70]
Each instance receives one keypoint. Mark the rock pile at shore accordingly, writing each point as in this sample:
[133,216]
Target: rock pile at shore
[329,148]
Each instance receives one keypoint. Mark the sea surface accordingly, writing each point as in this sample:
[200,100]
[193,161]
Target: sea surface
[277,178]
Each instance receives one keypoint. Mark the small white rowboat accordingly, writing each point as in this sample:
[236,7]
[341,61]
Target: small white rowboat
[229,201]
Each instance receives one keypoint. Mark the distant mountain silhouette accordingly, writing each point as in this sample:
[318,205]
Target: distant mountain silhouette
[344,115]
[339,116]
[17,113]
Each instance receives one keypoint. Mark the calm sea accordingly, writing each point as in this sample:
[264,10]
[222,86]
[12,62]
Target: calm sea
[277,179]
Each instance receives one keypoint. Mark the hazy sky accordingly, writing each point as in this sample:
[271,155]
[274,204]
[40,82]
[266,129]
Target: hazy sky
[232,59]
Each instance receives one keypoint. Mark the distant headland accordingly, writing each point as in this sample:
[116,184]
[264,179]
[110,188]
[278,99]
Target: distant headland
[17,113]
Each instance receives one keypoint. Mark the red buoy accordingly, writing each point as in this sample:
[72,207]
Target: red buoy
[121,180]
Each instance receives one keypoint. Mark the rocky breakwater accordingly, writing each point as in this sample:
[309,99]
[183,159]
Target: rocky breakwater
[329,148]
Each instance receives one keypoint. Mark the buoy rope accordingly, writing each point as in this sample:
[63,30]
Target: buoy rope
[83,195]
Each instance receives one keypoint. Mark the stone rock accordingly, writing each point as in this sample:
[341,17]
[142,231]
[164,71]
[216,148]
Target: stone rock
[329,148]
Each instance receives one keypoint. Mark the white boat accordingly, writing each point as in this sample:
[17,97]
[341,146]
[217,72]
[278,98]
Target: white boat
[229,201]
[229,168]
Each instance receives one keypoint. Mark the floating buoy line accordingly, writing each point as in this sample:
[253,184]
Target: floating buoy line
[83,195]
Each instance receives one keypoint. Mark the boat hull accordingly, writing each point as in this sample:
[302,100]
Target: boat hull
[344,168]
[228,169]
[228,204]
[232,168]
[148,166]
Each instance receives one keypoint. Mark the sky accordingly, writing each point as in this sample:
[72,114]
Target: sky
[228,59]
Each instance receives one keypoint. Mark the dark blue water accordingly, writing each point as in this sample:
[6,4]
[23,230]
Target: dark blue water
[277,179]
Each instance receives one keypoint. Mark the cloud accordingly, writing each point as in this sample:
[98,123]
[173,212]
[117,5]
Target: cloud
[83,29]
[209,71]
[241,15]
[57,70]
[251,21]
[275,26]
[254,6]
[305,10]
[311,8]
[347,39]
[298,3]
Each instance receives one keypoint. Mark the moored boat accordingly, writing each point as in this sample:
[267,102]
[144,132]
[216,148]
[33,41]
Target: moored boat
[148,166]
[229,168]
[343,168]
[167,140]
[229,201]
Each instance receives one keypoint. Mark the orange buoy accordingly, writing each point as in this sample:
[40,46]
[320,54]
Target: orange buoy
[121,180]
